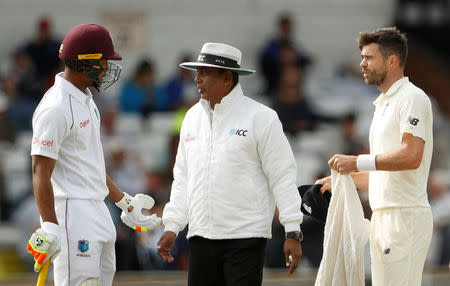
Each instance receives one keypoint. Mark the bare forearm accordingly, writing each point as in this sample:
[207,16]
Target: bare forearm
[361,180]
[42,169]
[397,160]
[115,194]
[43,193]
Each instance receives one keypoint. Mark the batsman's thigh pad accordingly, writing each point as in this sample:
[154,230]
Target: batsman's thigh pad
[88,229]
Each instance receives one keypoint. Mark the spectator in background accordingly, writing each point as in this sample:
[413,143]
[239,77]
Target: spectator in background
[294,111]
[181,88]
[126,169]
[349,142]
[20,109]
[439,196]
[24,71]
[43,50]
[279,51]
[157,186]
[140,94]
[4,204]
[108,125]
[7,129]
[128,175]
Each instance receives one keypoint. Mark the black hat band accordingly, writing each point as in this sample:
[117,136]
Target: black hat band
[217,60]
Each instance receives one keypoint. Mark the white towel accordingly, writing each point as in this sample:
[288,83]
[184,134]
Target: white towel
[346,233]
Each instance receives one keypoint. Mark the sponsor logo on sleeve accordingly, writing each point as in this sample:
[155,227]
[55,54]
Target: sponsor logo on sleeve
[42,142]
[84,123]
[190,138]
[413,121]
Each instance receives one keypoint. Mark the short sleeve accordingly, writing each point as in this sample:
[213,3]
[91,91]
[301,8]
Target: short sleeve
[414,111]
[49,130]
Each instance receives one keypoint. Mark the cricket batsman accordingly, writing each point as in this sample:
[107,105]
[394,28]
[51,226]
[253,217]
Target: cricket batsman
[68,168]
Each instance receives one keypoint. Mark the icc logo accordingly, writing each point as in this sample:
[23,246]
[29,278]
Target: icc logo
[239,132]
[83,245]
[201,58]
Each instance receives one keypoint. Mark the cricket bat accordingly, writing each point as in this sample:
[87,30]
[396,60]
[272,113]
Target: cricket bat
[43,274]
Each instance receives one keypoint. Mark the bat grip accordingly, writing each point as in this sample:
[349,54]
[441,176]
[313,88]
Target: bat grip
[43,273]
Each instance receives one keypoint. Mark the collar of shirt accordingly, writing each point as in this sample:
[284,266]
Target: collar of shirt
[391,91]
[226,102]
[73,90]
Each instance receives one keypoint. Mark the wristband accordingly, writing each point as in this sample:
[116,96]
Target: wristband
[366,162]
[124,202]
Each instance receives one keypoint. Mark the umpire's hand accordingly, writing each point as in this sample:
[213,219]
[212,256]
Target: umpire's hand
[165,243]
[293,249]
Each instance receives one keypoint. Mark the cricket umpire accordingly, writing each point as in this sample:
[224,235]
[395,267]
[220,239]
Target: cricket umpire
[233,166]
[68,168]
[396,170]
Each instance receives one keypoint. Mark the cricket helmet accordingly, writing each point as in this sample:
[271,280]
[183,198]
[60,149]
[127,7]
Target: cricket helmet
[84,46]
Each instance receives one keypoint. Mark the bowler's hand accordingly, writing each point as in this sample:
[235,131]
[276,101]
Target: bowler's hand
[344,164]
[165,243]
[326,184]
[292,248]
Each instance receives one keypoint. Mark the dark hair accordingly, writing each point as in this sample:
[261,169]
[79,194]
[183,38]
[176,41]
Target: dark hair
[145,65]
[390,41]
[235,78]
[284,17]
[234,74]
[76,65]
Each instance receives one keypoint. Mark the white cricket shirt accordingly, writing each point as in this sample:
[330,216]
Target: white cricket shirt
[66,128]
[404,108]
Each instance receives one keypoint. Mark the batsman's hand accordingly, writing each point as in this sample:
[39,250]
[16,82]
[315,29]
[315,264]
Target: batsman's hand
[292,254]
[132,214]
[165,243]
[45,244]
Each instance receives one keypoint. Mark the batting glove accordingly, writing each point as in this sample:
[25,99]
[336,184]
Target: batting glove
[44,244]
[135,219]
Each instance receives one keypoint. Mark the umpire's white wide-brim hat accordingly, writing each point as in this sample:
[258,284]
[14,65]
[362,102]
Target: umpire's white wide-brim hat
[218,55]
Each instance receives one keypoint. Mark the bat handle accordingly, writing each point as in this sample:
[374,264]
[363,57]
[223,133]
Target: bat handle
[43,273]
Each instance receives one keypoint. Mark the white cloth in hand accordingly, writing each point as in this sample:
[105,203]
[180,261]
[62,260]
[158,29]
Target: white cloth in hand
[346,233]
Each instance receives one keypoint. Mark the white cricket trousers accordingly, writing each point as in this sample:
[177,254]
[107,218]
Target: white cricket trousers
[87,244]
[399,242]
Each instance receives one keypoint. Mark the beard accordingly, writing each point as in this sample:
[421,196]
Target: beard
[376,78]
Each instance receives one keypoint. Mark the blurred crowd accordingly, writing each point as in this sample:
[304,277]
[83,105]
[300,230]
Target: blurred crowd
[141,123]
